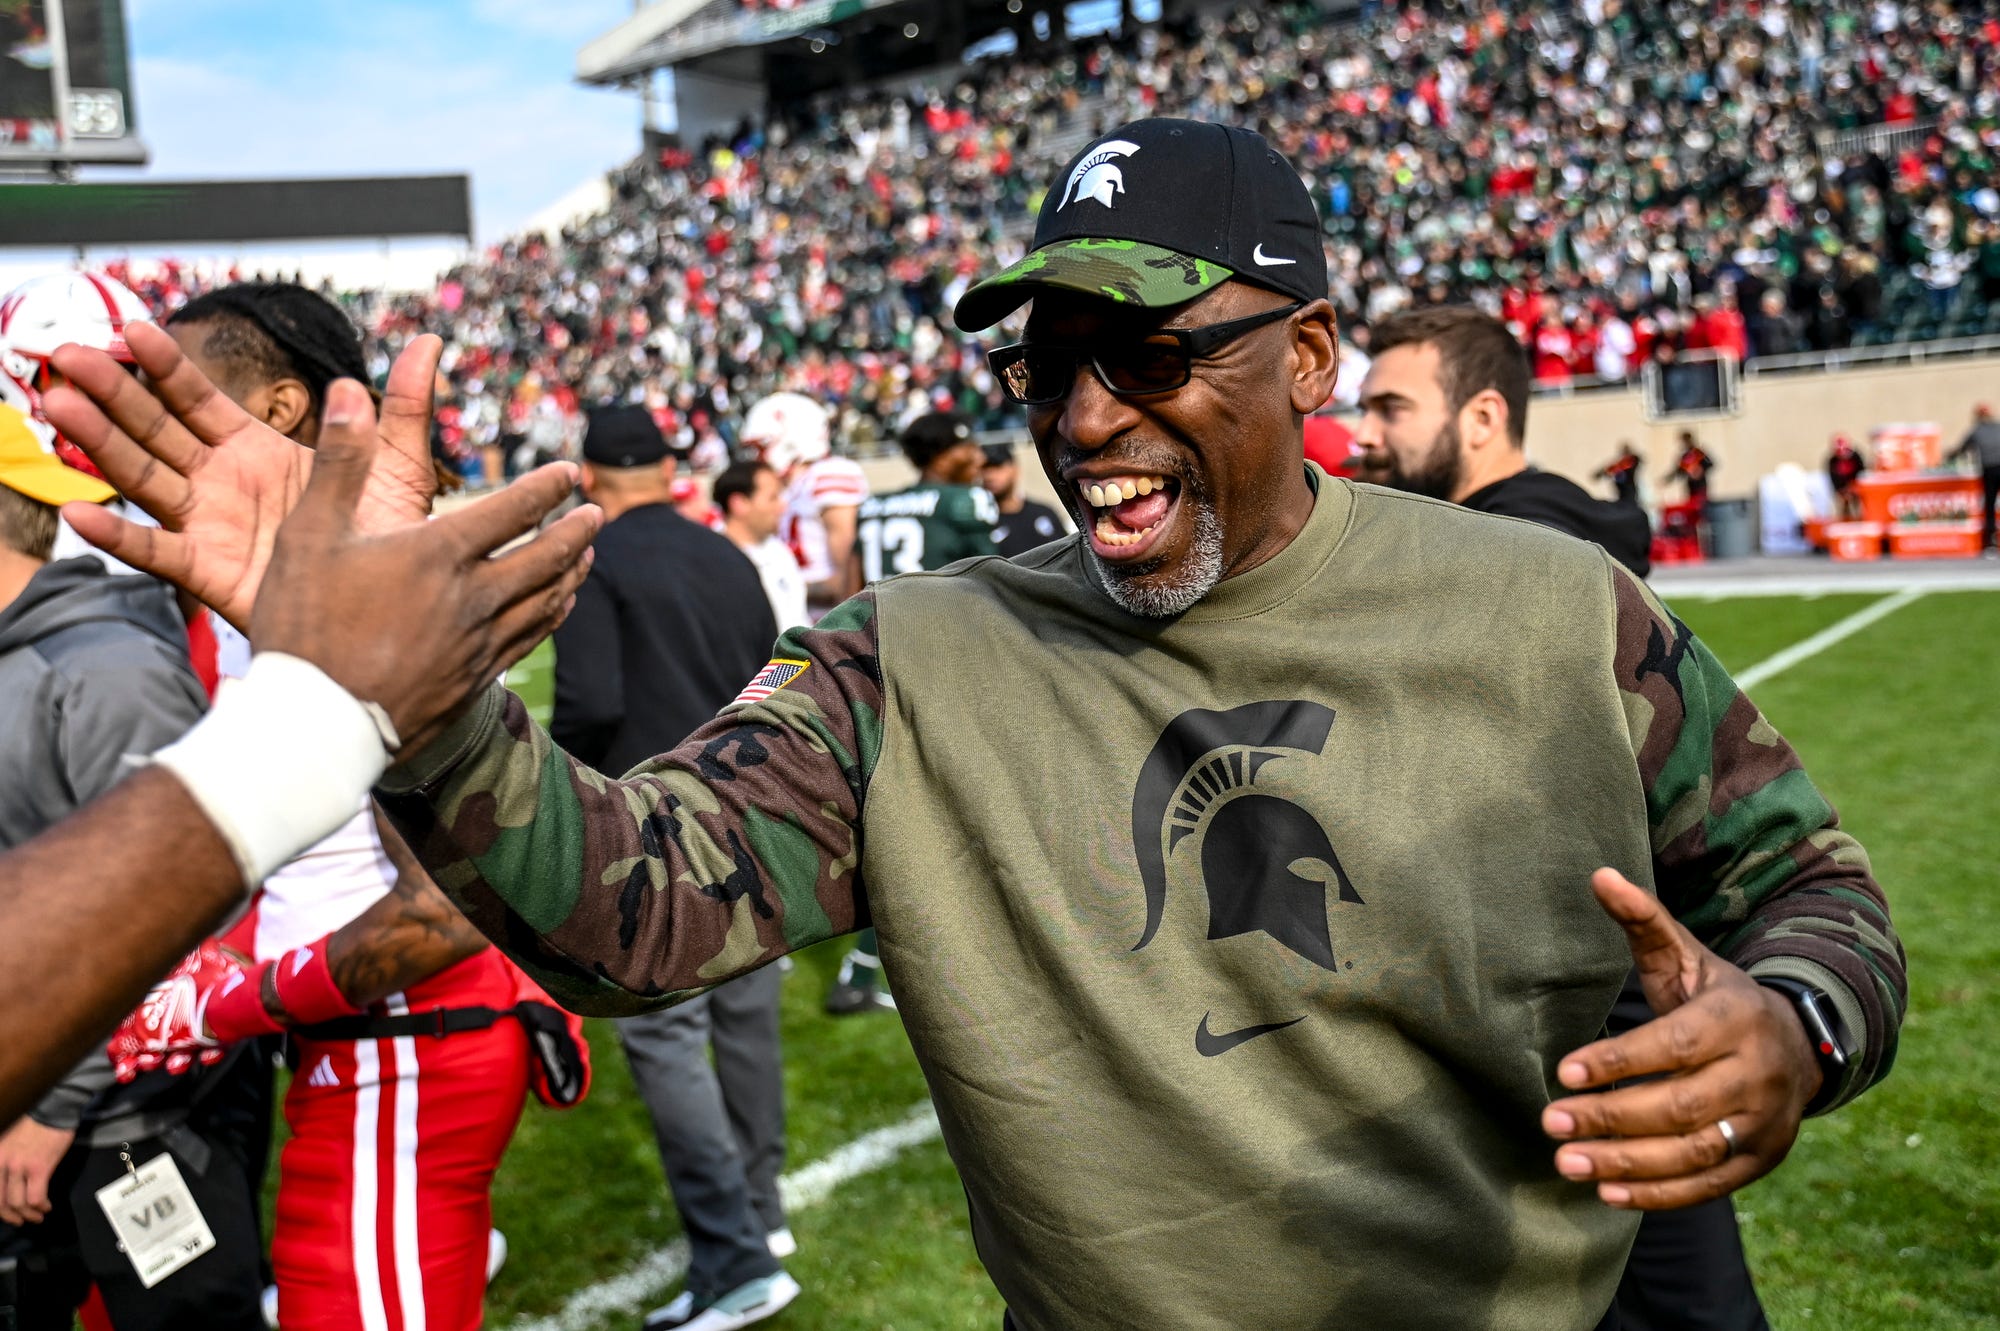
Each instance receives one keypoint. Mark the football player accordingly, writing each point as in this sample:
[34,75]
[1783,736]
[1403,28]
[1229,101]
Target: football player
[412,1066]
[822,492]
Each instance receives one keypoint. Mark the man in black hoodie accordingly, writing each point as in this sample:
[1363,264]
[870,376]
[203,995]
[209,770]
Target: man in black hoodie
[1445,412]
[95,672]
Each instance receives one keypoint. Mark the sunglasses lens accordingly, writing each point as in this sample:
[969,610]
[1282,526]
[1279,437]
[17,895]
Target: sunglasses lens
[1033,377]
[1144,367]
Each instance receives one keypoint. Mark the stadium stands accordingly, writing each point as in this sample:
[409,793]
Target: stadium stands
[1613,178]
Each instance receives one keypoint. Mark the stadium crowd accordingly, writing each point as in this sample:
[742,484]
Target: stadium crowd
[1619,182]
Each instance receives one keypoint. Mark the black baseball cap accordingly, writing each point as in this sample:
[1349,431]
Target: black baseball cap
[622,437]
[1159,211]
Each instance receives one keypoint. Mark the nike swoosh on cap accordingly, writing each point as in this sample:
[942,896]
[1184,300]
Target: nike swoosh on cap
[1208,1043]
[1266,261]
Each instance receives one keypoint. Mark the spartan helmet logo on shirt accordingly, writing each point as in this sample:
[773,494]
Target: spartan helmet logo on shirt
[1265,862]
[1098,176]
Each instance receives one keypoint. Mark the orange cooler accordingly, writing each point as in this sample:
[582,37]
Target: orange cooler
[1854,541]
[1935,540]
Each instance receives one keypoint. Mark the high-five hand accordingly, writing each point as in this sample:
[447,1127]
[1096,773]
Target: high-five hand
[218,480]
[1724,1050]
[419,619]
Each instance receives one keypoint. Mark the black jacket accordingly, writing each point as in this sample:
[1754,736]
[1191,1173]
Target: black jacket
[670,624]
[1554,501]
[1033,527]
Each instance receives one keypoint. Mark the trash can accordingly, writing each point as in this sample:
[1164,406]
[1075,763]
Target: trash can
[1732,529]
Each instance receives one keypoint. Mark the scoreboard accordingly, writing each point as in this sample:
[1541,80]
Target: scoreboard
[66,84]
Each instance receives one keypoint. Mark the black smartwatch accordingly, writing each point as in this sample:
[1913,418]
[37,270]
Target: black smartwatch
[1823,1028]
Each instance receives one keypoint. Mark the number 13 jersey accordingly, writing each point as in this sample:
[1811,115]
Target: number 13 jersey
[924,528]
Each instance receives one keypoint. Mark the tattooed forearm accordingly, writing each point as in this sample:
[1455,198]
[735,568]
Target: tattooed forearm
[408,936]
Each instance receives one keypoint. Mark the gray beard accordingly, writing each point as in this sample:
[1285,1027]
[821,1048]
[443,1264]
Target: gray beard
[1143,594]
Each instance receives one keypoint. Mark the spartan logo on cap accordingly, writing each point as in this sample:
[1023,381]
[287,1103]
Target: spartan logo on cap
[1098,175]
[1266,863]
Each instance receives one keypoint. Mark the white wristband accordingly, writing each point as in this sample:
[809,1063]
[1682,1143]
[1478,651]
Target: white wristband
[280,761]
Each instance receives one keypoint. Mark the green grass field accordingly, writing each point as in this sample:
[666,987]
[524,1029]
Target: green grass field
[1886,1217]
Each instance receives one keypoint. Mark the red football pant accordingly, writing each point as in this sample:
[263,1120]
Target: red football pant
[385,1188]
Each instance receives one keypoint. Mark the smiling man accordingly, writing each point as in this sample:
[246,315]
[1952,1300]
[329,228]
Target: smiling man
[1244,922]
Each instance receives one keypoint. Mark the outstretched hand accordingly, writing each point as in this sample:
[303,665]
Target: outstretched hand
[1723,1048]
[421,618]
[219,481]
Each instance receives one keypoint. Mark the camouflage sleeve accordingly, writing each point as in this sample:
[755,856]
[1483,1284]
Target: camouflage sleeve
[737,847]
[1746,851]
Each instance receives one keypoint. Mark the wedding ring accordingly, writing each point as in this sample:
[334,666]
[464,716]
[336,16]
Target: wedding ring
[1728,1136]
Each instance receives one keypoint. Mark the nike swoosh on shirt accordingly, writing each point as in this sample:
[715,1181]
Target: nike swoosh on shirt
[1208,1043]
[1264,260]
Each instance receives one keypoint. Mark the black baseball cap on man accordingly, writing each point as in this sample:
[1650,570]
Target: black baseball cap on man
[1159,211]
[622,437]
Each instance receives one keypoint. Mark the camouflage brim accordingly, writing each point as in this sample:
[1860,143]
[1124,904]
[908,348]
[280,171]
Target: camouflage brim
[1127,271]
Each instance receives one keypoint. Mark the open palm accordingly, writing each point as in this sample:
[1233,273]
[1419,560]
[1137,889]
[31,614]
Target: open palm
[219,481]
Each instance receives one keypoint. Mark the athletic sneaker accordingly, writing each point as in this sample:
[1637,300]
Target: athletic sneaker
[781,1242]
[749,1302]
[845,1000]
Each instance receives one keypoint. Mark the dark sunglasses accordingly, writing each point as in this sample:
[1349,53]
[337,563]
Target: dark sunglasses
[1035,374]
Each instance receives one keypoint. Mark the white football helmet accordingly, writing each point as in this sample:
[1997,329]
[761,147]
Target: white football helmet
[787,429]
[43,313]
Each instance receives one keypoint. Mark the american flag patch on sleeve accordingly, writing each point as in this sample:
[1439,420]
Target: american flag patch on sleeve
[770,679]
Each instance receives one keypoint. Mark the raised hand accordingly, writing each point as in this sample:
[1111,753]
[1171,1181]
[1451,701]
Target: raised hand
[1724,1049]
[219,481]
[417,620]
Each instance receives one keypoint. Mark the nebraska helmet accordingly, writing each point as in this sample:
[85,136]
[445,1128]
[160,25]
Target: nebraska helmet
[43,313]
[786,429]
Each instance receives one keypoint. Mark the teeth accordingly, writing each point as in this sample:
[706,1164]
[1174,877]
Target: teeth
[1105,494]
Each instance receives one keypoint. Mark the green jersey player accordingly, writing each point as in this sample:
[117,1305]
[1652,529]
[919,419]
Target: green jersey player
[945,517]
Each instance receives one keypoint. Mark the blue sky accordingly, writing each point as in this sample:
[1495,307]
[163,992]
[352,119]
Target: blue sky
[245,88]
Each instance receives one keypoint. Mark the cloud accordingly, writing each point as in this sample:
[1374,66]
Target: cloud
[385,89]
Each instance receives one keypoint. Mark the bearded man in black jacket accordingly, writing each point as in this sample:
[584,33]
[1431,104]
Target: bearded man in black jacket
[1444,413]
[1443,410]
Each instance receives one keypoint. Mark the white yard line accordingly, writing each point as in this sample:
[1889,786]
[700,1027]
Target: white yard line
[1808,648]
[804,1187]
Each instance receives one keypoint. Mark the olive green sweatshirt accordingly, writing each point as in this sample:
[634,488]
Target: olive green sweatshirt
[1238,949]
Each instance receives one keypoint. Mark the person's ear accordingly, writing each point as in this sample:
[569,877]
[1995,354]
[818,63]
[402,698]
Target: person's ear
[587,480]
[669,465]
[1482,421]
[288,404]
[1315,357]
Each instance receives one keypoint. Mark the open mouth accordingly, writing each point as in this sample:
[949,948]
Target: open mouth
[1127,512]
